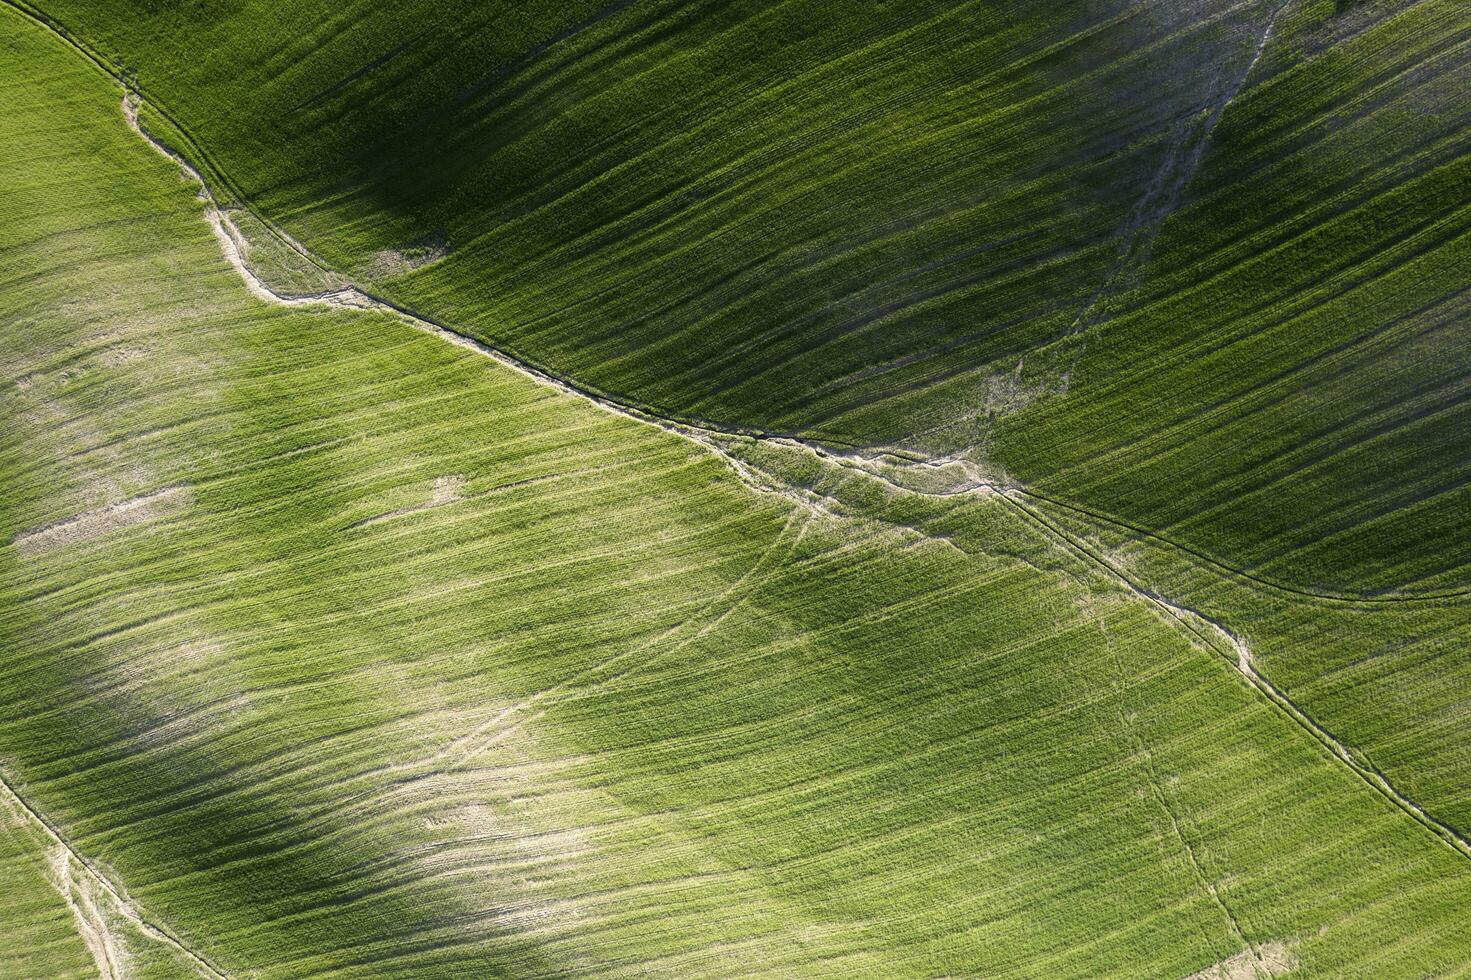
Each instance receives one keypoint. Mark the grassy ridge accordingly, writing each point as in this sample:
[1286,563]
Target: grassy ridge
[1202,269]
[426,667]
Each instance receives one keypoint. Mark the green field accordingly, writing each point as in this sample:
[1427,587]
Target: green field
[1199,265]
[331,646]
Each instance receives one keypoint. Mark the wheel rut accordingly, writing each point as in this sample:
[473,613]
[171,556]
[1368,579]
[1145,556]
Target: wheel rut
[1217,638]
[128,906]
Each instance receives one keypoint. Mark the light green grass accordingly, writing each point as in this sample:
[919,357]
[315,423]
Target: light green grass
[613,711]
[42,937]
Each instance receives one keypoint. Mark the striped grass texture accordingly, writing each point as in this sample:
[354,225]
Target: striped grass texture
[332,648]
[1198,266]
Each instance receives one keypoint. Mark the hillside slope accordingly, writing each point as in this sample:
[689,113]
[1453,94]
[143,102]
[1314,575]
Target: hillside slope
[1199,266]
[333,647]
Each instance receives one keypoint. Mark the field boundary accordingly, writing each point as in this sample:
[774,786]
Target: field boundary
[129,907]
[1239,656]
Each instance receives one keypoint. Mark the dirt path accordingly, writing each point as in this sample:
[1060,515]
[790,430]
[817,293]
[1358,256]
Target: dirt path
[1217,638]
[66,854]
[80,896]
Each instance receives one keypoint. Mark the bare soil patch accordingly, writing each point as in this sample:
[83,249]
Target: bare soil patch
[396,262]
[1269,959]
[92,523]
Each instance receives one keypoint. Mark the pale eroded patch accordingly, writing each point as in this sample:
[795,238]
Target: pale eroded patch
[92,523]
[1269,959]
[395,262]
[86,902]
[446,490]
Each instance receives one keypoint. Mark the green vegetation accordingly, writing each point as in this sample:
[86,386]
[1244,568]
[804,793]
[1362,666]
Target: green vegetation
[336,648]
[42,939]
[1195,265]
[1285,388]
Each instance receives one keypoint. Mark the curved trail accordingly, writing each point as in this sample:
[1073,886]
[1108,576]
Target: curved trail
[1219,639]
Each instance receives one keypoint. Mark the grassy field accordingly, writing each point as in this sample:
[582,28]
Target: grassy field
[1197,269]
[1198,266]
[1285,386]
[337,649]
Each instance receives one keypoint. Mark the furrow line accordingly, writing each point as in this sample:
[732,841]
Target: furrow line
[1232,570]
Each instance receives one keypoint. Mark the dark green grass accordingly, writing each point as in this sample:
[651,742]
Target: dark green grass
[1285,387]
[1081,241]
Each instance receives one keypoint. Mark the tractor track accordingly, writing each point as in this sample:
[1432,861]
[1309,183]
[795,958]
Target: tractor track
[128,906]
[1217,638]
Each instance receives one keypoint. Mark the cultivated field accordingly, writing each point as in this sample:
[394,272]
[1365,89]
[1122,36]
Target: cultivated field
[1199,265]
[334,641]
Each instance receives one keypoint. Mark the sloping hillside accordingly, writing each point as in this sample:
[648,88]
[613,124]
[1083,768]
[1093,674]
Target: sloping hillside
[1198,266]
[1192,273]
[331,646]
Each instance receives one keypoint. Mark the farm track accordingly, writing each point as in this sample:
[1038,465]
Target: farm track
[1222,641]
[128,906]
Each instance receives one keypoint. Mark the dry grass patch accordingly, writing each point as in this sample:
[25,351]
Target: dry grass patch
[104,520]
